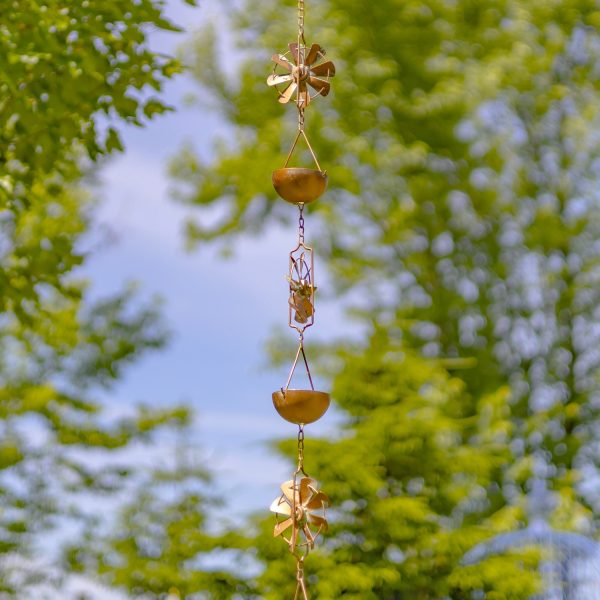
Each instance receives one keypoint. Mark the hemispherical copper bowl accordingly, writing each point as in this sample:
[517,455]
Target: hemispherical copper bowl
[298,185]
[301,406]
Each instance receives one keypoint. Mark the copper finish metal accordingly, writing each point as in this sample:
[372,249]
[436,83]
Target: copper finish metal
[301,406]
[300,513]
[299,352]
[300,74]
[301,303]
[298,185]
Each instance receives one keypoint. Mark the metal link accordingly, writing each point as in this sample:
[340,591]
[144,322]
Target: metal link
[300,570]
[300,118]
[301,14]
[301,223]
[301,585]
[300,447]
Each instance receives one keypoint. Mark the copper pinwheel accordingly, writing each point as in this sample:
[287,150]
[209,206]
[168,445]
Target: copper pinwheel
[301,513]
[302,69]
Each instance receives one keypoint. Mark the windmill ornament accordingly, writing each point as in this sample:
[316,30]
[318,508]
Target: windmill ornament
[300,75]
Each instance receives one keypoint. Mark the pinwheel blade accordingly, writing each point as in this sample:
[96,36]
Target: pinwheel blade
[277,79]
[326,69]
[294,50]
[319,500]
[312,55]
[303,95]
[281,507]
[306,490]
[288,93]
[288,490]
[294,538]
[322,86]
[282,61]
[281,527]
[318,521]
[310,538]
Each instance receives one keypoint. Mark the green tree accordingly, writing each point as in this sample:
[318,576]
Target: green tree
[461,152]
[162,537]
[72,74]
[411,479]
[65,64]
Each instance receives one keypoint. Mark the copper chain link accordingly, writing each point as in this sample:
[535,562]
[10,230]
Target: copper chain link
[301,448]
[301,13]
[301,223]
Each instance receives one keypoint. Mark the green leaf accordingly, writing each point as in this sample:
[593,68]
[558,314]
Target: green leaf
[113,141]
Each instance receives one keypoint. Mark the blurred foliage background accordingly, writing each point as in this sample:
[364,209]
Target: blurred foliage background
[461,146]
[71,74]
[461,142]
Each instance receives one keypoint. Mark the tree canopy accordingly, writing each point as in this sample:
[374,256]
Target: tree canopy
[73,74]
[65,65]
[412,483]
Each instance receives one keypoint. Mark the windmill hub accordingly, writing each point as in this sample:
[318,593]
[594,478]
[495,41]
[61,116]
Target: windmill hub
[301,72]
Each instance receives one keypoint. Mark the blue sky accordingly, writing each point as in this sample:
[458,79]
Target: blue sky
[221,312]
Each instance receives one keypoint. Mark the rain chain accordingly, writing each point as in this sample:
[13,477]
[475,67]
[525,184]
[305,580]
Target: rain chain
[300,74]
